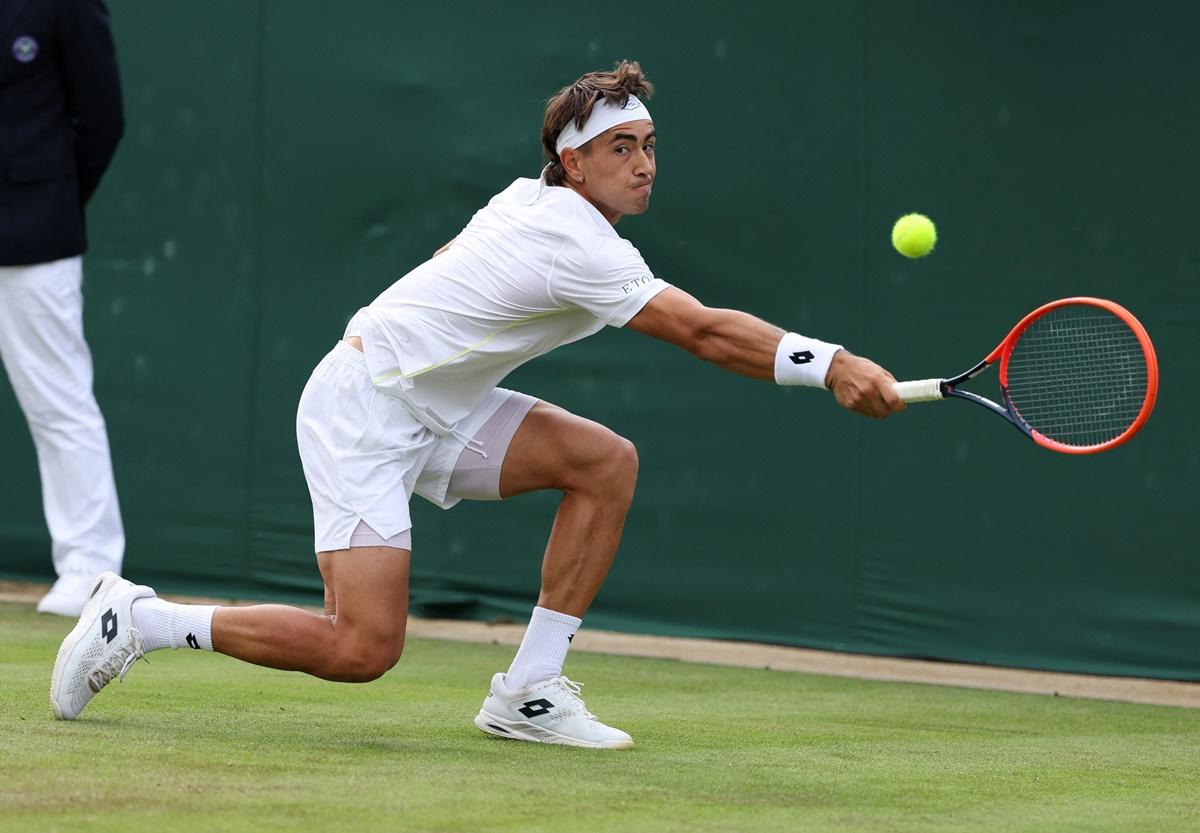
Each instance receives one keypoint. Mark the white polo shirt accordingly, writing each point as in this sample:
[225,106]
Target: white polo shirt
[536,268]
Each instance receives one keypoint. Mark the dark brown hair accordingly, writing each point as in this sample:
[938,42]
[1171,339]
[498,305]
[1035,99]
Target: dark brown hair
[577,100]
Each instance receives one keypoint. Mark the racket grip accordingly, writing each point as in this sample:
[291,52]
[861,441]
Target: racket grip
[920,390]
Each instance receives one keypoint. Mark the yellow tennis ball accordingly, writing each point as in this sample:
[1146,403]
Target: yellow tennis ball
[914,235]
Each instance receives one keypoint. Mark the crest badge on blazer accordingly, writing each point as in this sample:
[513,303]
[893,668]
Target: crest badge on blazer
[25,49]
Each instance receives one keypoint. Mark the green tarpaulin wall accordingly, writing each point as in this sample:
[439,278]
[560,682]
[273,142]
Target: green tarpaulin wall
[285,161]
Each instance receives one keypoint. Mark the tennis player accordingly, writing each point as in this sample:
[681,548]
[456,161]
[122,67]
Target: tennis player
[407,402]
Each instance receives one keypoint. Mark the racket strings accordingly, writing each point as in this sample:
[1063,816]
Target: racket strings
[1078,375]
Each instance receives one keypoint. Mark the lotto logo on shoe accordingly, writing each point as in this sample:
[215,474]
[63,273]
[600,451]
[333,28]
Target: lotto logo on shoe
[536,708]
[108,625]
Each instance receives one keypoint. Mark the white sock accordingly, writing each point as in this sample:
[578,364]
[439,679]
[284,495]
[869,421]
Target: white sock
[165,624]
[543,649]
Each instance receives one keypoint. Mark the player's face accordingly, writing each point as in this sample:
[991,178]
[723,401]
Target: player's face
[618,170]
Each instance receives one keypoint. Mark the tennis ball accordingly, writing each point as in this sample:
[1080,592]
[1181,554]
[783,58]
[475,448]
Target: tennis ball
[914,235]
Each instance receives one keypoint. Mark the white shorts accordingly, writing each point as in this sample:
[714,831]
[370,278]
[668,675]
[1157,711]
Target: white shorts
[364,454]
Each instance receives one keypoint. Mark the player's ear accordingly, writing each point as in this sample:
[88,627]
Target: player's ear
[570,161]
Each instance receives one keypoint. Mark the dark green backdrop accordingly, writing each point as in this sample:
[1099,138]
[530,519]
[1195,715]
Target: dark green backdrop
[285,161]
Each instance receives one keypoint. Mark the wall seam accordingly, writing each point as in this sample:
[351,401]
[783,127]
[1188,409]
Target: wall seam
[256,318]
[860,433]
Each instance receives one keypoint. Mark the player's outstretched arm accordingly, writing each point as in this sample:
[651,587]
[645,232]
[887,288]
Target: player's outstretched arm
[744,344]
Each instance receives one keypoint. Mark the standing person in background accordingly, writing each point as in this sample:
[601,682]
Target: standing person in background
[60,122]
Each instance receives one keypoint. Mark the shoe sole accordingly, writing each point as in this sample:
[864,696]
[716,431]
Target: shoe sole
[95,600]
[520,730]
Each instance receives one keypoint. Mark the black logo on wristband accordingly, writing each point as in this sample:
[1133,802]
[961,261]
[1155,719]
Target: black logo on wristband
[801,357]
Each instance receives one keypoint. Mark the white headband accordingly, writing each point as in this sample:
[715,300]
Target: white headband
[605,115]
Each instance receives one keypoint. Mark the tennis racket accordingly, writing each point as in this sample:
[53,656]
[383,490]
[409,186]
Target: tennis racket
[1077,375]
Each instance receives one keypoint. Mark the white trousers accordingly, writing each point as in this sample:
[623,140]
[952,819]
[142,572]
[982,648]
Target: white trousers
[50,367]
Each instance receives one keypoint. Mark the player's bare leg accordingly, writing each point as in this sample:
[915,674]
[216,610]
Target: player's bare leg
[596,471]
[359,636]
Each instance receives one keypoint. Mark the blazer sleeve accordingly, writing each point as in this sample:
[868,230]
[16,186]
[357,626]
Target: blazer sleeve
[89,62]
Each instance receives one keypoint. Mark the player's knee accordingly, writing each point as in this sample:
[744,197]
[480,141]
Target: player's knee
[627,461]
[375,667]
[600,463]
[366,662]
[619,466]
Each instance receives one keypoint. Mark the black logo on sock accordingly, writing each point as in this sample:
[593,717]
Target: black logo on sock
[570,637]
[536,708]
[801,357]
[193,641]
[108,625]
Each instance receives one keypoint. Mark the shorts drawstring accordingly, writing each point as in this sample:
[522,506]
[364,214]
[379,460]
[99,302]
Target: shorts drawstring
[471,443]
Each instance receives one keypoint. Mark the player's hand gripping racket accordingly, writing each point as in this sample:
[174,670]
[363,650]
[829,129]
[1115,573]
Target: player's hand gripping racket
[1077,376]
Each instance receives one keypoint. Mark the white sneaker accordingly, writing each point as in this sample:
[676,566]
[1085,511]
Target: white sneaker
[549,711]
[103,645]
[67,596]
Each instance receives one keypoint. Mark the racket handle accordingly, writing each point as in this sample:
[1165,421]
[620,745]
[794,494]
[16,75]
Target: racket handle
[920,390]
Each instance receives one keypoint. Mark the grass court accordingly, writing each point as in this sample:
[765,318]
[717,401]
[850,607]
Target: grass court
[201,742]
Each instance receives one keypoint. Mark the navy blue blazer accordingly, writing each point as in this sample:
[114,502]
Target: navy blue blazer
[60,122]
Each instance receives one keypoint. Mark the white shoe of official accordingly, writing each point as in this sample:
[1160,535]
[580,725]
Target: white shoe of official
[68,595]
[103,645]
[549,711]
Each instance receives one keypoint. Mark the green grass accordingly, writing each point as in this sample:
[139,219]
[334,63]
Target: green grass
[201,742]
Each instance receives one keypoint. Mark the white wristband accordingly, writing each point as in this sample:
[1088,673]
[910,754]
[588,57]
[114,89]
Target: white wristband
[800,360]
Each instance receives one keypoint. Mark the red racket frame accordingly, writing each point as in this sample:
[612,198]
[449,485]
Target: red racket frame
[1004,350]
